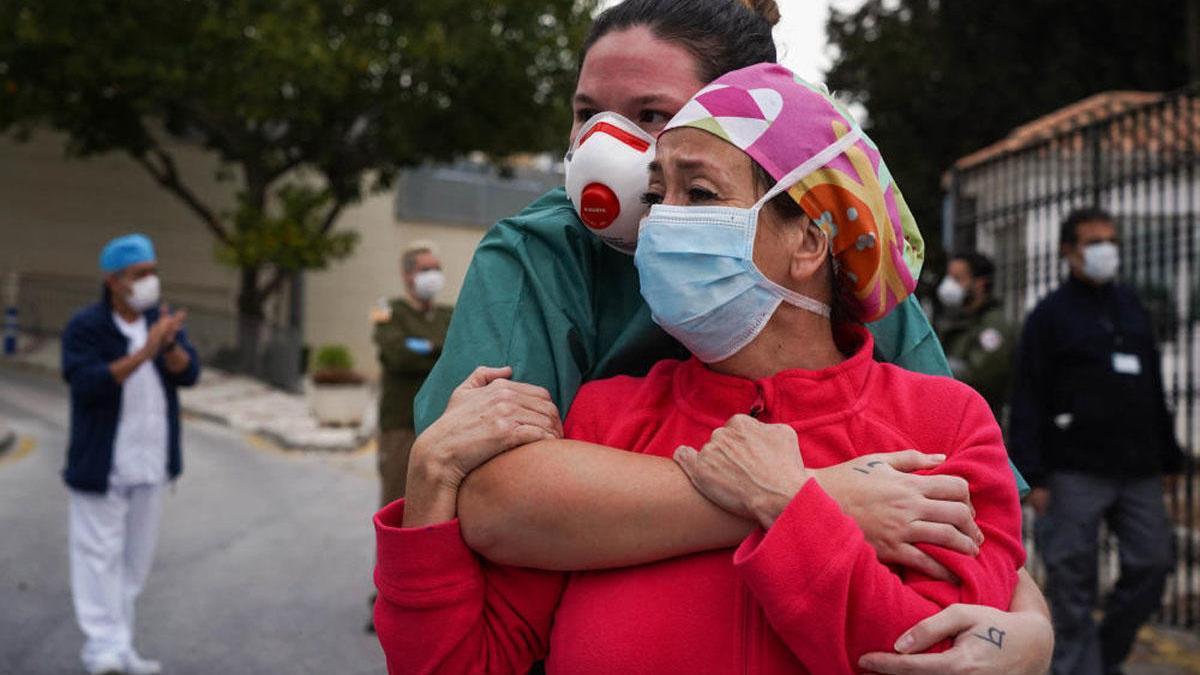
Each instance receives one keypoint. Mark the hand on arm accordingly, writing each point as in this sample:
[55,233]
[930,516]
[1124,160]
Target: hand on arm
[748,468]
[987,641]
[896,509]
[487,415]
[753,470]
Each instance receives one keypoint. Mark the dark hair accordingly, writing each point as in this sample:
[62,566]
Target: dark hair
[980,265]
[722,35]
[1069,232]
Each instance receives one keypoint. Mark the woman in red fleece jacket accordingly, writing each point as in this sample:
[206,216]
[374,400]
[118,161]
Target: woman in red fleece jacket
[774,391]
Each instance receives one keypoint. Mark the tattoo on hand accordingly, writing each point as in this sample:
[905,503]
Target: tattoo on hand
[869,465]
[994,636]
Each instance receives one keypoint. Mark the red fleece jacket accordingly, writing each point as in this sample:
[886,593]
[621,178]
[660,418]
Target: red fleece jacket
[808,594]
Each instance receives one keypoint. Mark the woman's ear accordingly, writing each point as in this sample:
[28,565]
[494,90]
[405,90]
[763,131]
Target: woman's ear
[809,257]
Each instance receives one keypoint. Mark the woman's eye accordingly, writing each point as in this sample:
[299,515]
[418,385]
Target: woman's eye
[584,114]
[698,194]
[651,198]
[653,117]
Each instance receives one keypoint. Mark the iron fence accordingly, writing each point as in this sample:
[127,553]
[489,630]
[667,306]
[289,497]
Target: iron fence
[1135,155]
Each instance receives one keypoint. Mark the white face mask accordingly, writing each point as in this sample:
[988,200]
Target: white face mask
[1100,261]
[951,293]
[144,293]
[428,284]
[607,172]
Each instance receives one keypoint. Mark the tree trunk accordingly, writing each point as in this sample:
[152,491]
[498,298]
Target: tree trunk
[249,321]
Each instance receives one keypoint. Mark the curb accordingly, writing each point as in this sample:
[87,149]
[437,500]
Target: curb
[8,438]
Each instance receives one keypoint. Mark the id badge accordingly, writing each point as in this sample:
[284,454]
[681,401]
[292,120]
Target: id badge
[418,345]
[1126,364]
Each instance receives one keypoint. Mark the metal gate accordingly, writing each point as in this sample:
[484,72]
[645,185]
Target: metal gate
[1134,154]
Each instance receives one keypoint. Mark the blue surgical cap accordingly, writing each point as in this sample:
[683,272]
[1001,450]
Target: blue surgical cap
[122,252]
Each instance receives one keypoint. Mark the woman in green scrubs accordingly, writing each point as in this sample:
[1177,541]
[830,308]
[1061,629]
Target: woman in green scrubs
[550,300]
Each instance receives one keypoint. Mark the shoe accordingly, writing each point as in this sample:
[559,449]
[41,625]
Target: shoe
[136,665]
[110,665]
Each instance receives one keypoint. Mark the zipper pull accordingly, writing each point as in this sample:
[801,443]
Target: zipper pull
[759,406]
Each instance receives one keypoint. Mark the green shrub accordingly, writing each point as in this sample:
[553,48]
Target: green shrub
[333,358]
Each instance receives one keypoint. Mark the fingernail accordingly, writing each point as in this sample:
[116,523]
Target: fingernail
[938,458]
[904,643]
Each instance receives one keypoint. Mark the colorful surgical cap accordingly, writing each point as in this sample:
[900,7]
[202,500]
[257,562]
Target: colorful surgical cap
[808,141]
[124,251]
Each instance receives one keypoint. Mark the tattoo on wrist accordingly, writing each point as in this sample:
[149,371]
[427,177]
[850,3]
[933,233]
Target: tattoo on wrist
[994,636]
[869,465]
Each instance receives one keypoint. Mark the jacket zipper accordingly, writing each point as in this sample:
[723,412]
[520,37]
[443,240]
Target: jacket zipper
[747,632]
[760,403]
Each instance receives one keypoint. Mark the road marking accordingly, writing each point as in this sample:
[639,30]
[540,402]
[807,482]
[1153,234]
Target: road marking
[24,446]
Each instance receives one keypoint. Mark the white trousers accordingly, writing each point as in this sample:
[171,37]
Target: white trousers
[112,539]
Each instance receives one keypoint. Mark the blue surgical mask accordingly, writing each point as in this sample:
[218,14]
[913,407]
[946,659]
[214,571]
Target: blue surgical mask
[698,276]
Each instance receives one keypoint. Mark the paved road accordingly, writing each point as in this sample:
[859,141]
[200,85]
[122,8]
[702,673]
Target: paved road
[263,564]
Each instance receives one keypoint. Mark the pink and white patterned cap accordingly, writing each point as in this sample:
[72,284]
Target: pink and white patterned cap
[811,145]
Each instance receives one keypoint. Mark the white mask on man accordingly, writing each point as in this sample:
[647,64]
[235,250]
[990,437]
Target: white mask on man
[144,293]
[951,293]
[1100,261]
[427,284]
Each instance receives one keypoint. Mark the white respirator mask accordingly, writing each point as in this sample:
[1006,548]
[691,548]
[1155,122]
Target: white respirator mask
[1100,261]
[951,293]
[428,284]
[144,293]
[607,174]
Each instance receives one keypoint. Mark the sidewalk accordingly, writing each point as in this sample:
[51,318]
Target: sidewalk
[240,402]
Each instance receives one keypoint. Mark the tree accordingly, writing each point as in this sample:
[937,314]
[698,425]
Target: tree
[309,104]
[942,78]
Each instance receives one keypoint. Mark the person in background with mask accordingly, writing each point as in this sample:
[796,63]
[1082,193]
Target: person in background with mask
[1091,431]
[978,339]
[409,333]
[124,358]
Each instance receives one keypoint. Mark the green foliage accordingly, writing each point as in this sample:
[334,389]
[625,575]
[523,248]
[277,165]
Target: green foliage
[351,91]
[332,357]
[942,78]
[292,239]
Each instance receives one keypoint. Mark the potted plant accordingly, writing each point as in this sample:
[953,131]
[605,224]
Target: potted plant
[339,393]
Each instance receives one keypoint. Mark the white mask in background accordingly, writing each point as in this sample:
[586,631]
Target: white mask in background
[1100,261]
[428,283]
[951,293]
[607,172]
[144,293]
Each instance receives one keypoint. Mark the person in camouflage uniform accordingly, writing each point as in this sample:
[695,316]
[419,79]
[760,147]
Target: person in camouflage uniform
[976,335]
[409,332]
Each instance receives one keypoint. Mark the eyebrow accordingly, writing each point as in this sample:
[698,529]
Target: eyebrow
[584,99]
[648,99]
[684,163]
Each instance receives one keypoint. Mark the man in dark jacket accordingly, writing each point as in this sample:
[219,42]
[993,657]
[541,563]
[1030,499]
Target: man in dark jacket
[1091,432]
[123,357]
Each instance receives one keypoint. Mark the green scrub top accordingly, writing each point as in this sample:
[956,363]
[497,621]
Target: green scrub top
[562,308]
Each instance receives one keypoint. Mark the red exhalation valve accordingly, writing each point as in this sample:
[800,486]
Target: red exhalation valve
[599,206]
